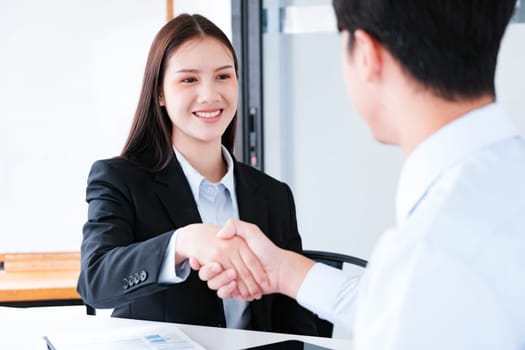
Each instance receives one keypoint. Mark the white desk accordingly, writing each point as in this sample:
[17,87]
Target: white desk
[23,329]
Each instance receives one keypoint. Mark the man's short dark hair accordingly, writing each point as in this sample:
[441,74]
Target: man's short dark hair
[448,46]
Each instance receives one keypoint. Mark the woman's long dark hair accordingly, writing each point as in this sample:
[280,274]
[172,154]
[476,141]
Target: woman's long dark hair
[149,142]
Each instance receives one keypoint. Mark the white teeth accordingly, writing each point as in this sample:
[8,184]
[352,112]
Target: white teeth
[208,114]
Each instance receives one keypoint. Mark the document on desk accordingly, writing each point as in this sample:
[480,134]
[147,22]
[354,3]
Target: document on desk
[130,338]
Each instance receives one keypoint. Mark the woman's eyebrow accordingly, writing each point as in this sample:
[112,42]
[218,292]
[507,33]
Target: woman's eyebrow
[190,70]
[228,66]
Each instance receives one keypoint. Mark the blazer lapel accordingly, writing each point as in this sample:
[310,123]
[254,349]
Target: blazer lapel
[175,194]
[253,209]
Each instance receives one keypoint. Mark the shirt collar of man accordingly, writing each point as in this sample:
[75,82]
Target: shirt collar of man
[446,147]
[195,178]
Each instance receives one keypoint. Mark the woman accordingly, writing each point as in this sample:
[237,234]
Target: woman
[157,204]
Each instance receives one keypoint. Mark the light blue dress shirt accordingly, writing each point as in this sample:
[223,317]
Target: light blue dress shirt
[451,274]
[216,202]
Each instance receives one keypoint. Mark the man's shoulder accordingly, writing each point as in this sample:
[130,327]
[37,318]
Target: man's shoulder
[494,172]
[477,202]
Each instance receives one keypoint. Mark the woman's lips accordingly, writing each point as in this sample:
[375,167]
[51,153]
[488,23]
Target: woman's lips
[209,116]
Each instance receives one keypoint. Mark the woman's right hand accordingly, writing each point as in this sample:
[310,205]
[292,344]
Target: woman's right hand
[200,242]
[285,269]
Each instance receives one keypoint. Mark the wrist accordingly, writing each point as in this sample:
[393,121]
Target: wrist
[294,268]
[181,251]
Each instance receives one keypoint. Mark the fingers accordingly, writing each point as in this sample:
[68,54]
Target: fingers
[252,277]
[222,279]
[243,264]
[228,291]
[195,264]
[209,271]
[256,271]
[245,282]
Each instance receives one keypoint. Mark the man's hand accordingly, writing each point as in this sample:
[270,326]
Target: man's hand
[200,243]
[285,270]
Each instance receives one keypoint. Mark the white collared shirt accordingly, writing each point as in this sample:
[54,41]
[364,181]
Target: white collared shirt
[451,274]
[216,202]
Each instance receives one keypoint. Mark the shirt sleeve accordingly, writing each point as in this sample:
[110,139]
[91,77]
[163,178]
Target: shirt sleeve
[169,272]
[331,294]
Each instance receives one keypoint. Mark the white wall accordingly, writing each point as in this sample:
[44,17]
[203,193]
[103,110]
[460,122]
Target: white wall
[218,11]
[343,181]
[70,77]
[510,74]
[71,73]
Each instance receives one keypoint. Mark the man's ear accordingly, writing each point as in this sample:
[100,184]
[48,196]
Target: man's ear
[367,55]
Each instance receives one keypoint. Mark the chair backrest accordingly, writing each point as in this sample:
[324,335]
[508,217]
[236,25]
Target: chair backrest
[325,328]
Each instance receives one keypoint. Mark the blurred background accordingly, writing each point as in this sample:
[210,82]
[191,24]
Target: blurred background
[70,75]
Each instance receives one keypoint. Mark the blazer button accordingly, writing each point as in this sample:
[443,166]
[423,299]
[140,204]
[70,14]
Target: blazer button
[131,281]
[125,284]
[136,278]
[143,275]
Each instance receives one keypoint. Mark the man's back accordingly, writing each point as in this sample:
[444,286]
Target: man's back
[453,261]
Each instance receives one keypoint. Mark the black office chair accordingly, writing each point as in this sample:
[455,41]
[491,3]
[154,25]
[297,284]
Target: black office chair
[325,328]
[90,310]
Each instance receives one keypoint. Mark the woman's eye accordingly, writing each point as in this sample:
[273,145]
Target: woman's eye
[189,80]
[223,76]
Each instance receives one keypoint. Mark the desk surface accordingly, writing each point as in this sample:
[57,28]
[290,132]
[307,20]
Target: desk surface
[23,329]
[39,276]
[38,285]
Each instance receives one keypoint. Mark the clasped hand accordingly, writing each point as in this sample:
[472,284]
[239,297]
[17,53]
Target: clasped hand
[237,260]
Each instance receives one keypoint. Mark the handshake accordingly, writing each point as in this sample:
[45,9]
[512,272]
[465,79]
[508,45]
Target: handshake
[239,261]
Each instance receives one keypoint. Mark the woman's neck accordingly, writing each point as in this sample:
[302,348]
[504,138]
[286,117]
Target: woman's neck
[206,159]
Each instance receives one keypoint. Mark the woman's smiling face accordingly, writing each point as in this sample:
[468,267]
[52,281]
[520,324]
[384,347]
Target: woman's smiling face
[200,91]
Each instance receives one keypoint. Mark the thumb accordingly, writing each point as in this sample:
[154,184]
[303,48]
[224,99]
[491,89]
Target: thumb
[228,230]
[238,228]
[195,264]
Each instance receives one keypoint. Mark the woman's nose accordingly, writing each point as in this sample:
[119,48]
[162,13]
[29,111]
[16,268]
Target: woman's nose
[208,93]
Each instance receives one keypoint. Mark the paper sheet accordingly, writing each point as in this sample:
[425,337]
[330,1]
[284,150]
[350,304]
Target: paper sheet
[167,337]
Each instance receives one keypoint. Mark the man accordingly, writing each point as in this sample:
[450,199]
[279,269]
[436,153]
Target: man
[451,274]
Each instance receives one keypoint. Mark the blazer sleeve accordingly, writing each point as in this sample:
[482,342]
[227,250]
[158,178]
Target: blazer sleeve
[115,268]
[288,315]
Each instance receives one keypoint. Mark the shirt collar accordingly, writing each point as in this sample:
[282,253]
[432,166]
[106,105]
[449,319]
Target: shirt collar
[195,178]
[227,180]
[446,147]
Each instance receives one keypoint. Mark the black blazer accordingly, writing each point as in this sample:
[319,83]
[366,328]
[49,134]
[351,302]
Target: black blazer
[131,217]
